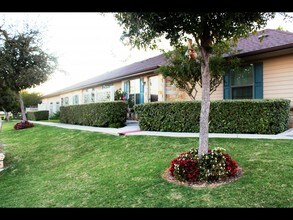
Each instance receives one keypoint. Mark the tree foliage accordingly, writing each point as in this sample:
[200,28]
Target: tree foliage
[185,73]
[207,29]
[8,100]
[144,29]
[31,99]
[24,64]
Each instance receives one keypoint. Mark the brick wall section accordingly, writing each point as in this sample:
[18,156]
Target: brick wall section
[175,94]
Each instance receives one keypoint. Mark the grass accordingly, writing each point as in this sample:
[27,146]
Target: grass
[55,167]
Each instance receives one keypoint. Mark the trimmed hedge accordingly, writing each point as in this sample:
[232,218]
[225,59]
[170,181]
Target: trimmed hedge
[101,114]
[38,115]
[262,116]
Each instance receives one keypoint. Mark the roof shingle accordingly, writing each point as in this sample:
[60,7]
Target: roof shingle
[271,39]
[123,72]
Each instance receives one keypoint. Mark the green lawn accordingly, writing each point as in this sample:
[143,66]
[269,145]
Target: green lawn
[55,167]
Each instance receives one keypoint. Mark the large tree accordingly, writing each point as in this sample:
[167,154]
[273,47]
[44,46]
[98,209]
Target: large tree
[23,63]
[31,99]
[8,101]
[207,29]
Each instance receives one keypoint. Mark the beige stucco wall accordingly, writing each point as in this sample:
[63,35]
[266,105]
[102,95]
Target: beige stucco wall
[71,94]
[117,85]
[278,77]
[52,99]
[79,92]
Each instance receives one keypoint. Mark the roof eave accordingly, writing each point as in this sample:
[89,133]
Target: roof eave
[142,72]
[266,50]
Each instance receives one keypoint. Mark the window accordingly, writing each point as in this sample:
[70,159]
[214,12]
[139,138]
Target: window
[93,95]
[246,83]
[134,91]
[51,107]
[134,86]
[66,101]
[75,100]
[153,88]
[62,101]
[57,106]
[242,83]
[86,98]
[89,96]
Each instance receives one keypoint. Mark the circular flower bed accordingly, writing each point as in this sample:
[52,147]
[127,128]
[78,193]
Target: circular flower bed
[23,125]
[215,166]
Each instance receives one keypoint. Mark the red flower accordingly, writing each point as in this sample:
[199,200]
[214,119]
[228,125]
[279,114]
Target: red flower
[186,168]
[231,165]
[23,125]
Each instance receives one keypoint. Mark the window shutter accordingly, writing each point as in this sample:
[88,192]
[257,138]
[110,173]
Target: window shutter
[258,81]
[141,98]
[227,86]
[126,88]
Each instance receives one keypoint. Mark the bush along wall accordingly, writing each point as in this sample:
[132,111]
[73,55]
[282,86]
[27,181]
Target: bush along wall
[38,115]
[262,116]
[101,114]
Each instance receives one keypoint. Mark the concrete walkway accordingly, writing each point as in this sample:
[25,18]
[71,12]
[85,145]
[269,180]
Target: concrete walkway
[132,128]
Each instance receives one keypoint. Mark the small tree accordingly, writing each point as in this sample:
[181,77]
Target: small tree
[23,63]
[119,95]
[207,29]
[185,71]
[31,99]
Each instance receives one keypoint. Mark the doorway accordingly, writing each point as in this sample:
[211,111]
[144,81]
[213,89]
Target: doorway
[153,88]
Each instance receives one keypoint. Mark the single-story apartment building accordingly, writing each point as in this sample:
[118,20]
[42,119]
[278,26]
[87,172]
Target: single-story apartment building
[268,73]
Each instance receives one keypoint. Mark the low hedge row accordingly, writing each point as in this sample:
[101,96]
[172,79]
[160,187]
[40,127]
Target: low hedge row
[38,115]
[101,114]
[265,116]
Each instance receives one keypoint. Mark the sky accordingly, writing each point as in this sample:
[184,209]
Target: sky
[87,44]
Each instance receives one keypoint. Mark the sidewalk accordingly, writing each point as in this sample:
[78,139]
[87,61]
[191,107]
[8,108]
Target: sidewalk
[132,128]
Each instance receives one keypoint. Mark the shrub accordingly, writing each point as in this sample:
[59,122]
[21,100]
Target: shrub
[38,115]
[101,114]
[185,167]
[23,125]
[55,116]
[119,95]
[214,166]
[226,116]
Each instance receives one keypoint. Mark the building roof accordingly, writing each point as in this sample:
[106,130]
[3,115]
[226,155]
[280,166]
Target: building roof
[114,75]
[272,40]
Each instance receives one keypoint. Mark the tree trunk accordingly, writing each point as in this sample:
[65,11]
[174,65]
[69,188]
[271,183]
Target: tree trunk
[6,115]
[22,108]
[205,104]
